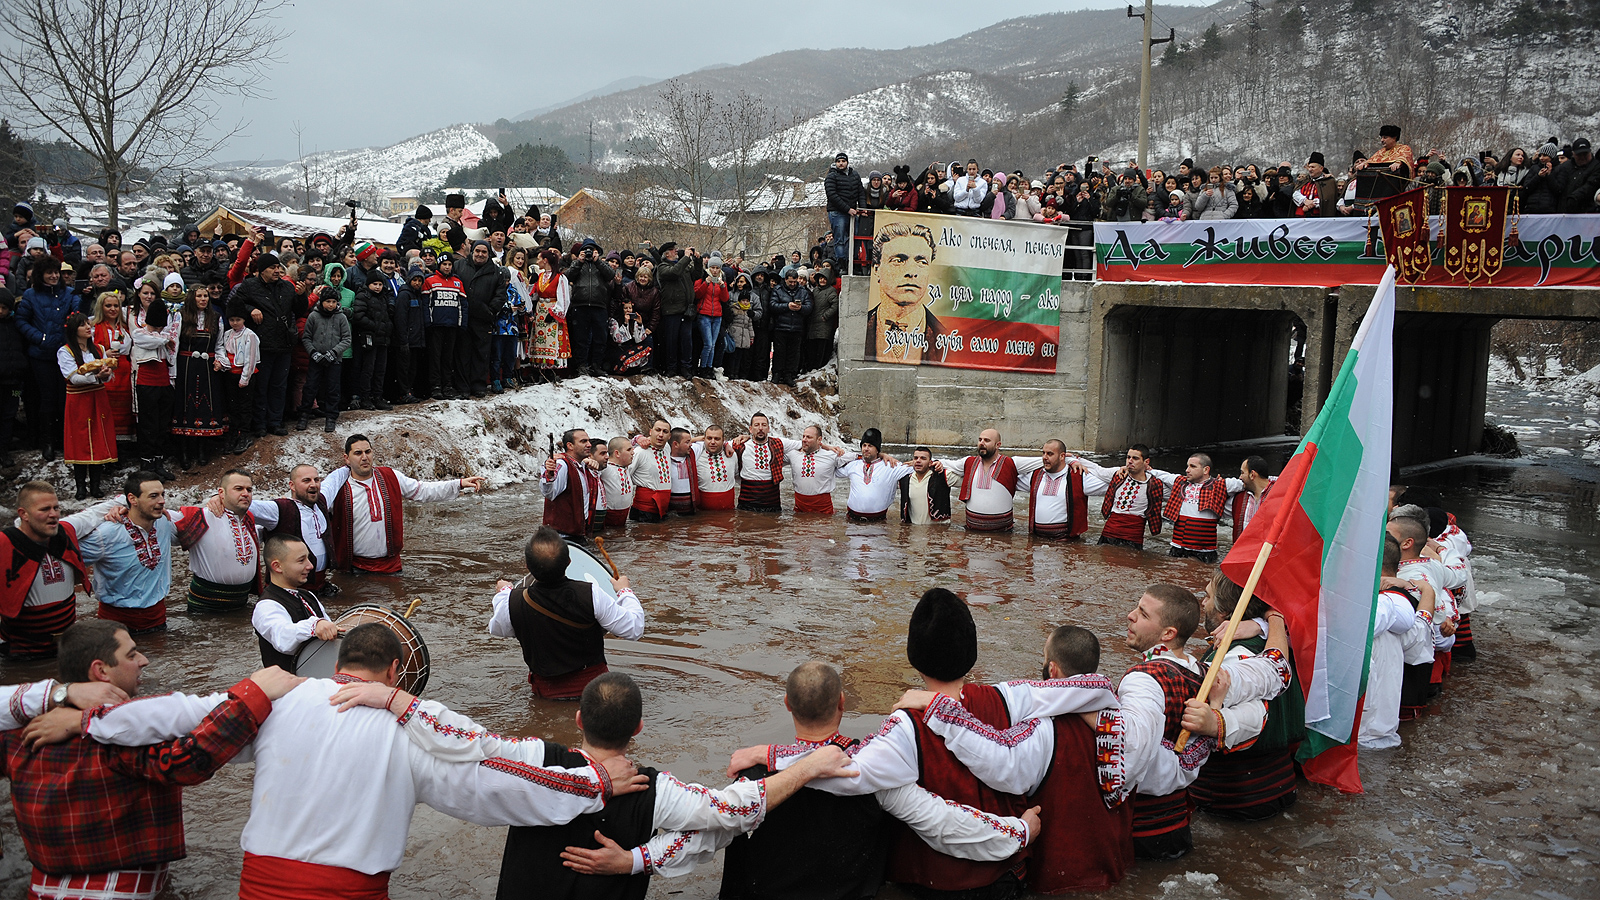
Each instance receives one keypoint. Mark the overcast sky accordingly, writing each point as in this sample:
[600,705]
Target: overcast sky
[346,62]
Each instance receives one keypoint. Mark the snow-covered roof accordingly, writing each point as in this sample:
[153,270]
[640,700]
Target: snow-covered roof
[300,226]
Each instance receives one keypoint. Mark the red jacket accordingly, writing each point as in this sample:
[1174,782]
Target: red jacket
[710,297]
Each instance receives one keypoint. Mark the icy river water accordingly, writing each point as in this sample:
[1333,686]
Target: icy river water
[1495,794]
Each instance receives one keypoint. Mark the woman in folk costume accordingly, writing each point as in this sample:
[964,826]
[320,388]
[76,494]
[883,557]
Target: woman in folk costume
[89,439]
[551,346]
[111,332]
[199,407]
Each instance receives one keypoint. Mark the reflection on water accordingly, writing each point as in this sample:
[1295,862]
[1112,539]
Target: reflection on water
[1487,798]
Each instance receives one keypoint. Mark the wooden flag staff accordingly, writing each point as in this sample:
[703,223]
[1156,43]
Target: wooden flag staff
[1227,634]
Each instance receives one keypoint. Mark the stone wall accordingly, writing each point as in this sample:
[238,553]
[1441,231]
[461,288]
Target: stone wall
[935,405]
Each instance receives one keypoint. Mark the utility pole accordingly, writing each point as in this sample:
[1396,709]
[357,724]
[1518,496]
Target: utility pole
[591,145]
[1144,77]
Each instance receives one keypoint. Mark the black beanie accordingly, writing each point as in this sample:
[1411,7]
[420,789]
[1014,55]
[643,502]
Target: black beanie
[455,201]
[942,642]
[872,436]
[264,262]
[424,213]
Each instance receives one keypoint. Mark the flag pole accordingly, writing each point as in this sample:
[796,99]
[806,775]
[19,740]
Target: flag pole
[1227,633]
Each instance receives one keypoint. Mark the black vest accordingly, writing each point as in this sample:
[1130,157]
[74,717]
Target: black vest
[271,593]
[289,522]
[550,647]
[938,497]
[531,868]
[816,846]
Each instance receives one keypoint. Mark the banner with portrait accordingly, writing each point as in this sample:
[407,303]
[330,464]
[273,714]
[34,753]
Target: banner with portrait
[1551,251]
[1403,220]
[964,292]
[1472,245]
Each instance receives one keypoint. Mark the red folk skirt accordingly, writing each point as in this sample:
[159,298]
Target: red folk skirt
[88,434]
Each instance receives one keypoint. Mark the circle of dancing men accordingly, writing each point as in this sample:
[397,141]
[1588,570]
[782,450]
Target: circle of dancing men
[1051,784]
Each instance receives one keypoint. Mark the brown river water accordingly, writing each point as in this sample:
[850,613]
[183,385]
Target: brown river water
[1497,794]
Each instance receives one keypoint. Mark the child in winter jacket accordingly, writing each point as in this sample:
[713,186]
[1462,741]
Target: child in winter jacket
[327,337]
[238,356]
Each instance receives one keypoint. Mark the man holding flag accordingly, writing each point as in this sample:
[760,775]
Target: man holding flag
[1314,549]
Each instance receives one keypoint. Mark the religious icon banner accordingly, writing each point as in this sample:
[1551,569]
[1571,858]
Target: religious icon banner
[1552,251]
[1403,219]
[1472,245]
[965,292]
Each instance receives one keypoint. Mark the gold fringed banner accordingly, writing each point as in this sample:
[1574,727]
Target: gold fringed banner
[1404,220]
[1474,235]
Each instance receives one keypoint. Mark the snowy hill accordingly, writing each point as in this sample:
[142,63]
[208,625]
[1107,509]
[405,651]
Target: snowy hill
[411,166]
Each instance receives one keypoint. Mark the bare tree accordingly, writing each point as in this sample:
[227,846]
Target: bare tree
[679,137]
[134,83]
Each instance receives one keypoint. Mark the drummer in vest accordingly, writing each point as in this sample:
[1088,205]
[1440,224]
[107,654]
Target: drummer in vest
[988,483]
[924,494]
[761,457]
[302,515]
[288,616]
[1076,776]
[873,479]
[366,527]
[1058,508]
[560,622]
[651,473]
[43,568]
[224,559]
[617,483]
[685,498]
[571,488]
[1133,498]
[716,470]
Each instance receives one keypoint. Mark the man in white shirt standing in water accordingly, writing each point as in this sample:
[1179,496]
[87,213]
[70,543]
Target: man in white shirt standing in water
[873,480]
[366,526]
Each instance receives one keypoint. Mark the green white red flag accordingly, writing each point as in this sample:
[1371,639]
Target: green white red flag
[1325,520]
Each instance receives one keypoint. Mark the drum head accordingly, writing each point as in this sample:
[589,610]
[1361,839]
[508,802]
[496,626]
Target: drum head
[415,663]
[585,566]
[318,659]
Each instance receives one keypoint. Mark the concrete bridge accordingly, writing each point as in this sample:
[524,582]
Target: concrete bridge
[1184,365]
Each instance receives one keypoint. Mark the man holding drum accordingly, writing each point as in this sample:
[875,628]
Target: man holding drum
[561,622]
[288,616]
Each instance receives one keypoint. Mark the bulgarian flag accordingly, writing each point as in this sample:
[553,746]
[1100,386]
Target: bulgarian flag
[1324,519]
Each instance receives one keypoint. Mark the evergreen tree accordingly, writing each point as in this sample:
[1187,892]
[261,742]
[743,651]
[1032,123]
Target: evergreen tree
[1069,100]
[183,207]
[18,174]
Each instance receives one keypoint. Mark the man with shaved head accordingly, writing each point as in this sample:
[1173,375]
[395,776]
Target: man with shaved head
[988,483]
[304,515]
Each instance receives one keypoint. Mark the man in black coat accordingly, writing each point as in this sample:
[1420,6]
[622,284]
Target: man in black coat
[1575,181]
[843,187]
[593,282]
[486,296]
[789,308]
[266,301]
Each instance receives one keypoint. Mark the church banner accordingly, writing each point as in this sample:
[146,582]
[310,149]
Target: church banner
[1472,245]
[965,292]
[1403,220]
[1552,251]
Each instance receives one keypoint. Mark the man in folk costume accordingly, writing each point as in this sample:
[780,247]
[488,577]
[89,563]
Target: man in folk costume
[924,494]
[815,467]
[1403,619]
[303,515]
[1075,772]
[1194,506]
[761,457]
[599,461]
[288,616]
[1057,505]
[297,844]
[988,483]
[1455,550]
[560,622]
[1255,779]
[1255,481]
[1133,498]
[224,559]
[651,474]
[819,846]
[555,859]
[685,499]
[43,569]
[873,480]
[942,644]
[1419,561]
[571,488]
[106,821]
[131,553]
[366,526]
[617,483]
[716,471]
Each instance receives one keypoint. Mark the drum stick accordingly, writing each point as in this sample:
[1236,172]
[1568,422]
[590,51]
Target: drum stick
[601,543]
[415,602]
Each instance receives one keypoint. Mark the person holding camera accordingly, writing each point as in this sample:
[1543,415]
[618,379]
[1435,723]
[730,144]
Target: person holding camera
[1216,199]
[592,281]
[1128,199]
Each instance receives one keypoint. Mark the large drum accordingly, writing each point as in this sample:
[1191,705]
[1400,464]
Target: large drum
[585,566]
[318,659]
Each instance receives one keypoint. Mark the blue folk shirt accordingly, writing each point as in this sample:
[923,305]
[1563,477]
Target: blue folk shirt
[132,567]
